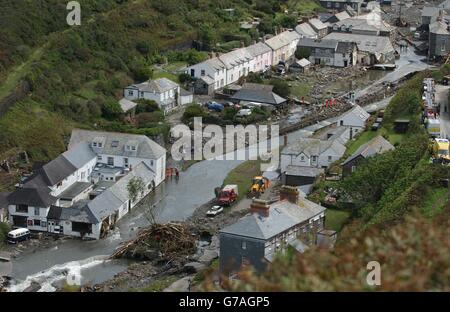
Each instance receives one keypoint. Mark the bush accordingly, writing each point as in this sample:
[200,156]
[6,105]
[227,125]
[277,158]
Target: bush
[146,106]
[147,118]
[4,229]
[192,111]
[111,109]
[280,87]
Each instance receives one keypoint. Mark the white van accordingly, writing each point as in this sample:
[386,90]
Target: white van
[18,235]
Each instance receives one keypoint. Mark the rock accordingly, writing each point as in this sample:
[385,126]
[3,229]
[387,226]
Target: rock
[193,267]
[182,285]
[208,256]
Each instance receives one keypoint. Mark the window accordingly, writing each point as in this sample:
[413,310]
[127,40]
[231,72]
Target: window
[99,157]
[125,162]
[133,148]
[100,144]
[22,208]
[244,245]
[94,144]
[151,162]
[142,94]
[330,158]
[36,211]
[203,73]
[37,222]
[353,168]
[114,143]
[443,45]
[111,161]
[43,224]
[302,158]
[314,158]
[130,92]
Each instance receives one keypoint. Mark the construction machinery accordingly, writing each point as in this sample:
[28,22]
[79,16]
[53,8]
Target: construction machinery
[227,195]
[259,185]
[441,150]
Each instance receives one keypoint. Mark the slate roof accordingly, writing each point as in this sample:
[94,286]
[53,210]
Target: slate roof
[305,30]
[314,43]
[159,85]
[313,147]
[127,105]
[4,199]
[317,24]
[304,62]
[80,154]
[35,197]
[258,96]
[303,171]
[235,57]
[377,145]
[283,215]
[430,11]
[146,148]
[258,49]
[358,111]
[342,15]
[344,47]
[283,39]
[365,23]
[377,45]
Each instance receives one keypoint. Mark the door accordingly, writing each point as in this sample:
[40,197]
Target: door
[51,226]
[345,63]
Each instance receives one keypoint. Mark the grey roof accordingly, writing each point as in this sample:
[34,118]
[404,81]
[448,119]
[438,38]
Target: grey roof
[283,215]
[184,92]
[321,43]
[35,197]
[75,189]
[344,47]
[80,154]
[365,23]
[108,202]
[303,171]
[299,245]
[317,24]
[313,147]
[439,28]
[429,11]
[342,15]
[235,57]
[303,62]
[215,63]
[305,30]
[146,148]
[377,145]
[377,45]
[258,49]
[159,85]
[359,112]
[283,39]
[208,80]
[258,96]
[127,105]
[52,173]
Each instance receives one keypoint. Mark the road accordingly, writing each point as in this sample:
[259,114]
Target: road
[173,201]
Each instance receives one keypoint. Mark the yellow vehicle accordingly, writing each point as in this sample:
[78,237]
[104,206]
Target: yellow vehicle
[259,185]
[441,149]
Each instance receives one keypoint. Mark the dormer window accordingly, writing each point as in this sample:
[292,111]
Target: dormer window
[94,144]
[100,144]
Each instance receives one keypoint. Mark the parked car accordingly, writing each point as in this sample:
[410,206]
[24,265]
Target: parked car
[215,106]
[244,112]
[376,126]
[214,211]
[18,235]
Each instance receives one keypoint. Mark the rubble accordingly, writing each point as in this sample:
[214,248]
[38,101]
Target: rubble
[168,241]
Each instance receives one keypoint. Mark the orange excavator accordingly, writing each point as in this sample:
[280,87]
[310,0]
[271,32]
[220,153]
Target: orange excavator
[259,185]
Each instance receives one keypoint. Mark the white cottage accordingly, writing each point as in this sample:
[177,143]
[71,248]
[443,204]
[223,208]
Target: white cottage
[283,46]
[212,70]
[355,119]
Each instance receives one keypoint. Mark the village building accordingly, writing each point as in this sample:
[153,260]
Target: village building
[253,93]
[310,152]
[341,5]
[67,187]
[166,93]
[377,145]
[338,17]
[370,25]
[262,57]
[330,52]
[283,46]
[212,72]
[439,40]
[356,119]
[300,66]
[305,30]
[319,27]
[127,106]
[238,63]
[371,49]
[270,228]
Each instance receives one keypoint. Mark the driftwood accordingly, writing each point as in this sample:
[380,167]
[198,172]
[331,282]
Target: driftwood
[171,239]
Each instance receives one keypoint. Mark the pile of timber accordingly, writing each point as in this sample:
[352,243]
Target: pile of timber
[171,239]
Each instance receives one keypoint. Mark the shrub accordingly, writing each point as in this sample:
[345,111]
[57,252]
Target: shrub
[280,87]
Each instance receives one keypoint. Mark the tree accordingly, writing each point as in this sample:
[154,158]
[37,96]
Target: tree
[280,87]
[266,25]
[254,78]
[111,109]
[302,52]
[146,106]
[135,188]
[183,78]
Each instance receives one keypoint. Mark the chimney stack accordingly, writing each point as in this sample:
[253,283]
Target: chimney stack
[260,206]
[290,193]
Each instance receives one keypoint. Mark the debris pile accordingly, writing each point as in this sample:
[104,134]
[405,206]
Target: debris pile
[170,241]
